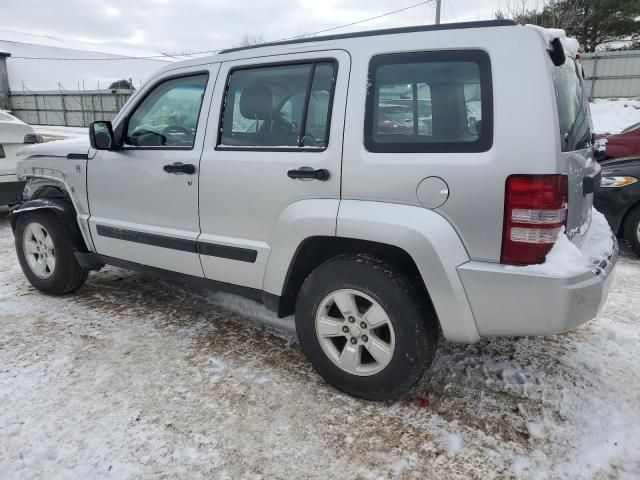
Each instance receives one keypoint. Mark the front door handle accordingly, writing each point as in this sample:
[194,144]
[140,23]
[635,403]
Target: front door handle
[308,172]
[178,167]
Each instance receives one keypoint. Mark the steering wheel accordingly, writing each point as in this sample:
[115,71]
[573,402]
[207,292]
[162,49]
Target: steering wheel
[171,129]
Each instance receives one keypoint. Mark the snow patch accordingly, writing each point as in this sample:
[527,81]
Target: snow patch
[570,44]
[566,259]
[536,430]
[454,443]
[252,310]
[614,115]
[217,365]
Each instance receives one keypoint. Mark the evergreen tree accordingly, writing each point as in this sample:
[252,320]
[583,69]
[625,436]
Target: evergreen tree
[591,22]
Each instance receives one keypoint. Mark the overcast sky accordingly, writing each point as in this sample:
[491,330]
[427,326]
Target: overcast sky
[173,26]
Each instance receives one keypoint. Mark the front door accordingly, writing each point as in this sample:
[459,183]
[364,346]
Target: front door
[281,117]
[143,198]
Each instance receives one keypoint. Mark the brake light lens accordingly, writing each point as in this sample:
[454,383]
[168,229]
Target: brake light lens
[535,213]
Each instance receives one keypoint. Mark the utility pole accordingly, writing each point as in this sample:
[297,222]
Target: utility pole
[4,82]
[438,4]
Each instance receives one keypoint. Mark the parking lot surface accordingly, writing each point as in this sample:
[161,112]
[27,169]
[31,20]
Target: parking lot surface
[132,377]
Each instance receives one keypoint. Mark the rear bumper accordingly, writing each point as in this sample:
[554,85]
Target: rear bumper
[509,302]
[10,191]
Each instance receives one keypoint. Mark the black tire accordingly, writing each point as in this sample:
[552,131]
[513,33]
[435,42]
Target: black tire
[67,275]
[414,323]
[632,229]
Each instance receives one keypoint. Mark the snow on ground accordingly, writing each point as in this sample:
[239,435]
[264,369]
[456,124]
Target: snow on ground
[614,115]
[131,377]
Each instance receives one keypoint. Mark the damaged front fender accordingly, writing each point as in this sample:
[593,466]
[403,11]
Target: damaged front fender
[61,207]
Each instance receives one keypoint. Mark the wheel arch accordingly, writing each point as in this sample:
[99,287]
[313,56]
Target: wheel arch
[420,239]
[314,251]
[60,206]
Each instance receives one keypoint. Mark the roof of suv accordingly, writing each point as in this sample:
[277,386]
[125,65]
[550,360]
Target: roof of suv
[386,31]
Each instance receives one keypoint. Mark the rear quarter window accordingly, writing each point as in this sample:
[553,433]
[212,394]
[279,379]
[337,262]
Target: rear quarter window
[429,102]
[573,106]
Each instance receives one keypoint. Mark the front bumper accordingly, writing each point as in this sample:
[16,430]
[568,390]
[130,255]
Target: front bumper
[10,192]
[509,302]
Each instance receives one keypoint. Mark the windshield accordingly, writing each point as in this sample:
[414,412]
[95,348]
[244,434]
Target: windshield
[573,106]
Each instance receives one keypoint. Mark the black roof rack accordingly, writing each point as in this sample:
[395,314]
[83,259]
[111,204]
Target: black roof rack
[386,31]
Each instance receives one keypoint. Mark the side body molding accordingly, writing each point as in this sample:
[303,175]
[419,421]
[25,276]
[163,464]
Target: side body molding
[297,222]
[434,246]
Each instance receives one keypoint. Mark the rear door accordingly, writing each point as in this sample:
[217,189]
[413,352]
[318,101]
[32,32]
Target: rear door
[144,206]
[281,117]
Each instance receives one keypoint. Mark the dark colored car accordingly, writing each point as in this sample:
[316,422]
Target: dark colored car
[619,198]
[623,144]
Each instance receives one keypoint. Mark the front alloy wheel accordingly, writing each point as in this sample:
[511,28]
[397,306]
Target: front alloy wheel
[46,249]
[39,251]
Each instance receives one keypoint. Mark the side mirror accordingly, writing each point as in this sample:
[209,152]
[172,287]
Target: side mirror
[101,136]
[600,155]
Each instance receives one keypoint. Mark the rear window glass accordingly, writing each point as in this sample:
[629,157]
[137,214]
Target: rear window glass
[573,106]
[279,106]
[429,102]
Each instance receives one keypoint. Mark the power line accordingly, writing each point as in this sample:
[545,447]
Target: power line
[355,23]
[188,54]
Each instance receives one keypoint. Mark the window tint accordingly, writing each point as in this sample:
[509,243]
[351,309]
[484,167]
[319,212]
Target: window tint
[168,116]
[278,106]
[429,102]
[573,107]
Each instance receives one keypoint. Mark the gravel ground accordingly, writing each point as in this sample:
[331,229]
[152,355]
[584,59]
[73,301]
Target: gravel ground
[131,377]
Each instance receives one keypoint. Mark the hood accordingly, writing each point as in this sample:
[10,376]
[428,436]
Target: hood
[57,148]
[13,130]
[621,165]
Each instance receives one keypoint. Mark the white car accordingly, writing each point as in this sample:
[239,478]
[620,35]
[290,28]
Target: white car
[14,133]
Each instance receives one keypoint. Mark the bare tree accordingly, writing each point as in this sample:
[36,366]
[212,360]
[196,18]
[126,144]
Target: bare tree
[249,40]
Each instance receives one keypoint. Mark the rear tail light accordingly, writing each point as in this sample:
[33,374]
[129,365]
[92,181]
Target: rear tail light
[535,212]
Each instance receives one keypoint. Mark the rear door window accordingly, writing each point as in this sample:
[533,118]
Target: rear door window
[283,106]
[429,102]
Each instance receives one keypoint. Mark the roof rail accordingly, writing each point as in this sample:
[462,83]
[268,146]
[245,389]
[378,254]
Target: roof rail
[386,31]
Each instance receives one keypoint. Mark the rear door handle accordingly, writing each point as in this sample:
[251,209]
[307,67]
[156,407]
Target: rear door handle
[308,172]
[178,167]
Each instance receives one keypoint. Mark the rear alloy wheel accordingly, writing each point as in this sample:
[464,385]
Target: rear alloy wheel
[355,332]
[364,327]
[45,249]
[632,229]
